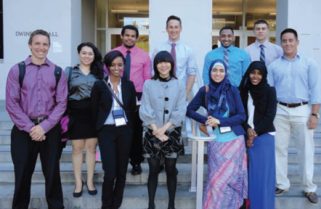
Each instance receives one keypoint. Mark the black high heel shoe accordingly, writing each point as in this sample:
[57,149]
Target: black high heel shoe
[78,194]
[91,192]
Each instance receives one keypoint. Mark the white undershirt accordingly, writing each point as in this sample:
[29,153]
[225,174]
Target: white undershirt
[250,112]
[115,106]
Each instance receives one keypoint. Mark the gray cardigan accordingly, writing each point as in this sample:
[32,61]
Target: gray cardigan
[162,102]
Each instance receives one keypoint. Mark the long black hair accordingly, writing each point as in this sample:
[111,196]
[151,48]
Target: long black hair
[163,56]
[96,67]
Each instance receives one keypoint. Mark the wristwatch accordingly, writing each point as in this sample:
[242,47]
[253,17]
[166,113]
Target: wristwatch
[317,115]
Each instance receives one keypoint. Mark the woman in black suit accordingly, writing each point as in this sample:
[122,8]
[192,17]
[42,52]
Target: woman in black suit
[113,104]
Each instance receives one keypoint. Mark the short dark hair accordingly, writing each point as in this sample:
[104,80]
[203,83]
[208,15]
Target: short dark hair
[130,27]
[96,67]
[227,28]
[261,21]
[38,32]
[163,56]
[111,56]
[289,30]
[173,17]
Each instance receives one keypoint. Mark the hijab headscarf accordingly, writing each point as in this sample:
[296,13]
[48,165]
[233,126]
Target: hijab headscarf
[216,95]
[258,92]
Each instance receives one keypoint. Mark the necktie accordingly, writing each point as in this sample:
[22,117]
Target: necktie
[173,53]
[262,54]
[127,66]
[226,57]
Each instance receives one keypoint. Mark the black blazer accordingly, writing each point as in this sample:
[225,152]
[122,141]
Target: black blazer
[264,116]
[102,99]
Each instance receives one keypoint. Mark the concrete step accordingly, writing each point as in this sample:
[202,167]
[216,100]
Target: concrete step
[66,173]
[184,175]
[136,197]
[5,137]
[294,199]
[5,155]
[5,125]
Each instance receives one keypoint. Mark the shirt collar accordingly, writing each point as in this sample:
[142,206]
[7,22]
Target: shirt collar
[110,84]
[171,42]
[28,61]
[123,48]
[297,56]
[229,48]
[265,43]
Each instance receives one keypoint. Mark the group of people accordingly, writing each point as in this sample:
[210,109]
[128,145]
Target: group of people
[133,108]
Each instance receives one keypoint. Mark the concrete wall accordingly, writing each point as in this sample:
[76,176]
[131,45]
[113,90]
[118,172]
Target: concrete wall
[305,18]
[60,17]
[196,18]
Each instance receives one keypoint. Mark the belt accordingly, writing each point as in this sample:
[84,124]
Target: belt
[38,120]
[292,105]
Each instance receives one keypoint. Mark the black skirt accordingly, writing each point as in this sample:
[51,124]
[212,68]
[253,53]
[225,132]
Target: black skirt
[81,125]
[154,148]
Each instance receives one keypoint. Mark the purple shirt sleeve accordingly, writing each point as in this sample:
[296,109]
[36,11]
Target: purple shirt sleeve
[16,113]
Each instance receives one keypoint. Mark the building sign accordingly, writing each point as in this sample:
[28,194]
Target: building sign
[27,33]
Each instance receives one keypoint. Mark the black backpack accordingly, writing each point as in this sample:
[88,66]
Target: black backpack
[22,72]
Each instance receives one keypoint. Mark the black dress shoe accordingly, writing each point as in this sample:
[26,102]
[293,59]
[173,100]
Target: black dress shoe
[91,192]
[136,170]
[312,197]
[279,192]
[151,207]
[78,194]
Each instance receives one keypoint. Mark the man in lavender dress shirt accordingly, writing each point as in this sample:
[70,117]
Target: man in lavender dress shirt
[138,70]
[35,108]
[262,49]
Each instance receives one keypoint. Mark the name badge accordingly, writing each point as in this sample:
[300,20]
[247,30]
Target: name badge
[225,129]
[119,117]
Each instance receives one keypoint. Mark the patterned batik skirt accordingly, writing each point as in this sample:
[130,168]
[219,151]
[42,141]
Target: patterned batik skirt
[227,185]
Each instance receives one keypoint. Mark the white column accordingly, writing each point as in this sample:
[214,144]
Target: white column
[196,19]
[304,17]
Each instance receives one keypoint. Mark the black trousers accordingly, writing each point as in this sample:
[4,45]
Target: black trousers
[24,154]
[114,144]
[136,151]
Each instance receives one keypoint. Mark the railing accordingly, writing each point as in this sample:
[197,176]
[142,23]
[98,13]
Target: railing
[198,141]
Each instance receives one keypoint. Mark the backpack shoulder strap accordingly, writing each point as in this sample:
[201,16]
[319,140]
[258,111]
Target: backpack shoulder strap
[22,72]
[58,72]
[69,74]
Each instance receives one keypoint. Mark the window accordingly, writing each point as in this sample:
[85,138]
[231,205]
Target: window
[1,29]
[112,15]
[241,15]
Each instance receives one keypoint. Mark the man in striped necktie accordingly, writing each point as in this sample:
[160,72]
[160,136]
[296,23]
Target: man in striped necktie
[236,59]
[262,49]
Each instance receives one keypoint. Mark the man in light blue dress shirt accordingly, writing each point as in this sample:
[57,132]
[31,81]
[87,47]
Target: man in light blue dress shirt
[297,80]
[236,59]
[270,51]
[185,61]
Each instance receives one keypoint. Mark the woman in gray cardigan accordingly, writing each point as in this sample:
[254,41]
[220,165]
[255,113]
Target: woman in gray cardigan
[162,111]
